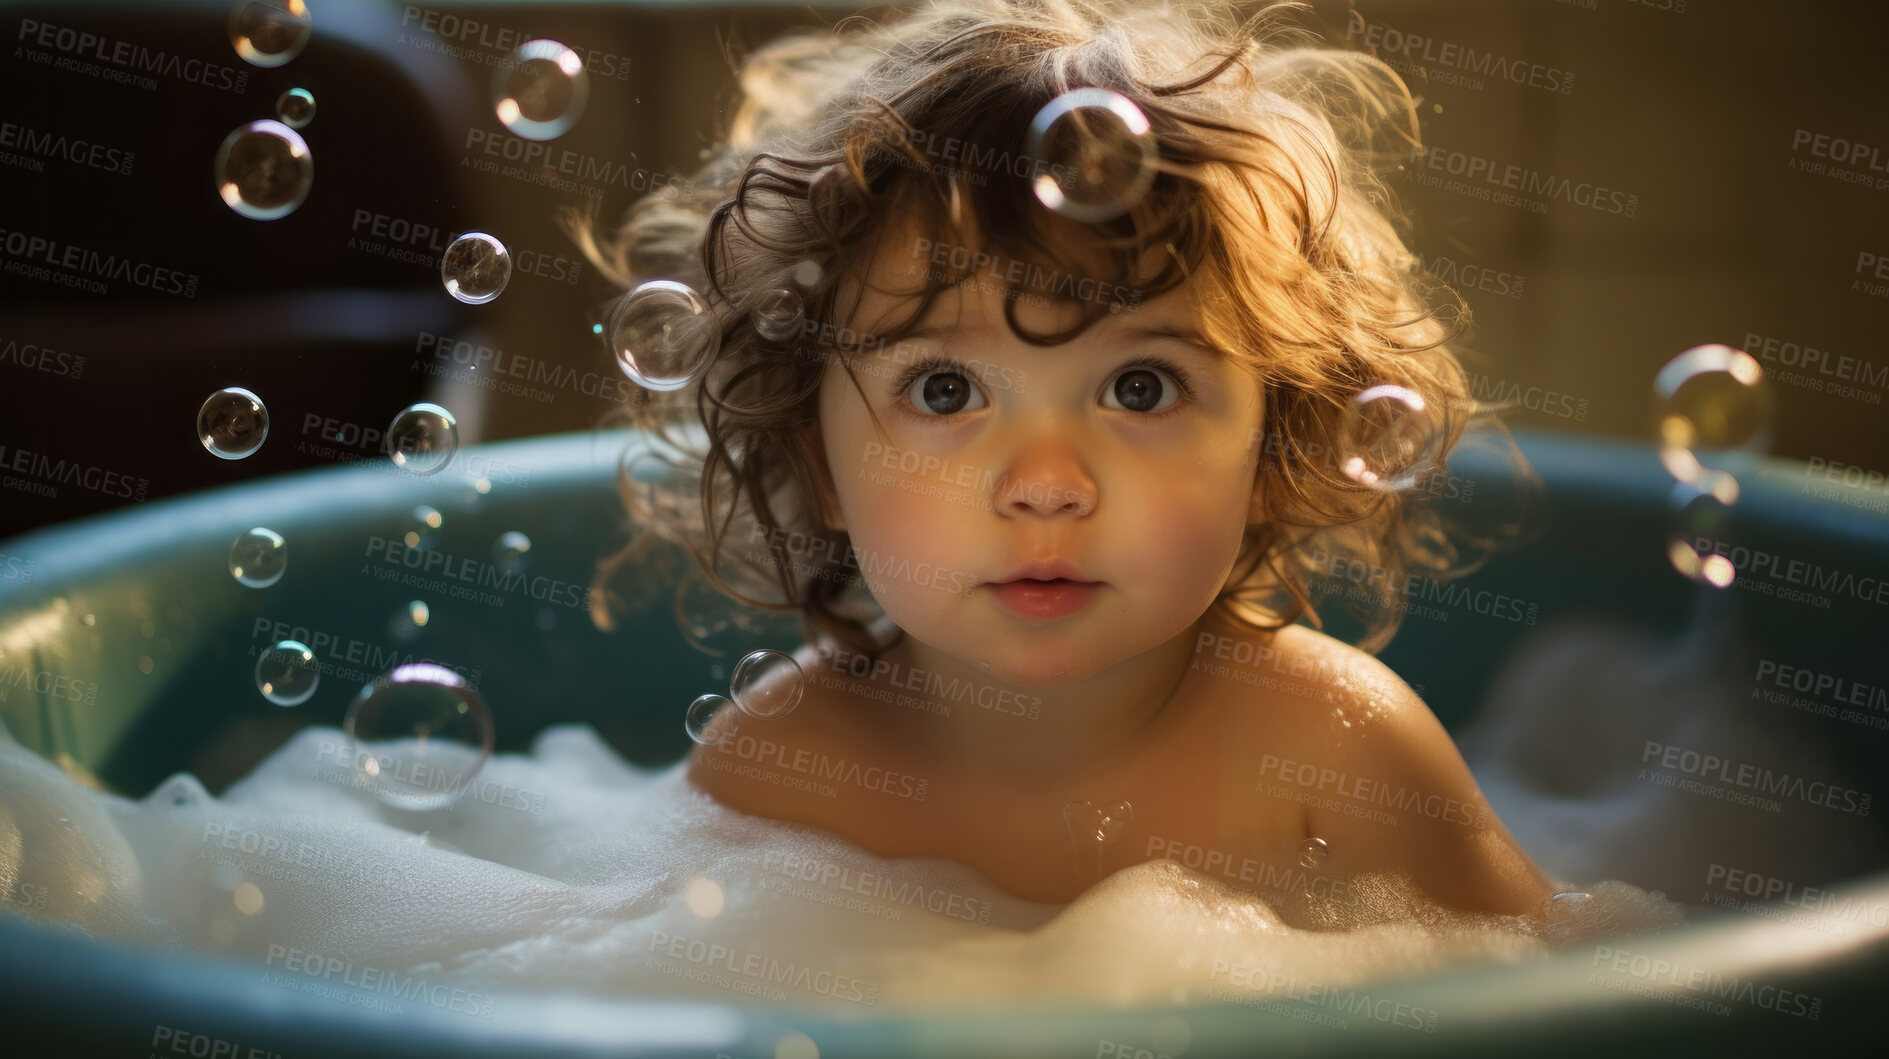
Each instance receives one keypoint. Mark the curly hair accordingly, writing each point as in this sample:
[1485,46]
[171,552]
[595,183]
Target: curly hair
[1269,193]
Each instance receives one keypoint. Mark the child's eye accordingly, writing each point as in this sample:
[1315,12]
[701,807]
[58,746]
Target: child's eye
[942,388]
[938,389]
[1139,388]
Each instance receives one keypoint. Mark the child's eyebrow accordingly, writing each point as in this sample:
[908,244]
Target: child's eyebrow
[1158,330]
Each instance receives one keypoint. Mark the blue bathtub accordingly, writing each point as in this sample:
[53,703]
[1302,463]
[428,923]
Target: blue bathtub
[170,633]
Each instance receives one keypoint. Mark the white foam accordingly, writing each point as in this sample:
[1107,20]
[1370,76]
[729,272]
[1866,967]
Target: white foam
[568,869]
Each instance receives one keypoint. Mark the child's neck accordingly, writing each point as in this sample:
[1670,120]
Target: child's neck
[1079,727]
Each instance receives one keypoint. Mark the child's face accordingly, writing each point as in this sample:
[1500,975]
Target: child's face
[1069,452]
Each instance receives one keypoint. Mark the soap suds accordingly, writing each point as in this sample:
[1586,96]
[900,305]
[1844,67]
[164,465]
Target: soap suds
[567,869]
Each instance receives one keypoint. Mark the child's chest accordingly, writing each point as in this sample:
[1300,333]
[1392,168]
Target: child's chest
[1190,794]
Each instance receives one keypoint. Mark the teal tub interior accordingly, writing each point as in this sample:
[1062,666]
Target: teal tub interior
[135,612]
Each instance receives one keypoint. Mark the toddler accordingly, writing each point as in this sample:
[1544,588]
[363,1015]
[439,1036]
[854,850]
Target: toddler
[1055,343]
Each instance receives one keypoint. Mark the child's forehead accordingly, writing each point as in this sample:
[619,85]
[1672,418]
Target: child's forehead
[976,276]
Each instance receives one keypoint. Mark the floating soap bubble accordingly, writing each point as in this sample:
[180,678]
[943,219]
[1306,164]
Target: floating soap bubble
[434,734]
[767,684]
[541,91]
[777,315]
[711,719]
[1389,439]
[476,268]
[1715,416]
[423,438]
[1697,524]
[663,334]
[295,108]
[287,673]
[1092,154]
[510,550]
[423,527]
[259,557]
[264,170]
[268,33]
[1312,852]
[409,621]
[232,423]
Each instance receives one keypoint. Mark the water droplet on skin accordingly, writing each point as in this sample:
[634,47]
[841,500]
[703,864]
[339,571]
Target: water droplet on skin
[1312,852]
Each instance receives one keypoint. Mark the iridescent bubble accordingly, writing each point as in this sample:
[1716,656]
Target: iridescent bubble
[540,93]
[1389,439]
[295,108]
[259,557]
[268,33]
[423,438]
[1697,525]
[287,673]
[430,732]
[232,423]
[767,684]
[1312,852]
[407,623]
[264,170]
[476,268]
[1715,416]
[663,334]
[510,551]
[711,719]
[777,315]
[1093,154]
[423,529]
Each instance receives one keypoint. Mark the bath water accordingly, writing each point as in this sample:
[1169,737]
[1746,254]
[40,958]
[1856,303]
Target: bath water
[568,869]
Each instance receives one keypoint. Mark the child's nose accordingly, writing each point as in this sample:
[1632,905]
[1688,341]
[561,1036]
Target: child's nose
[1066,493]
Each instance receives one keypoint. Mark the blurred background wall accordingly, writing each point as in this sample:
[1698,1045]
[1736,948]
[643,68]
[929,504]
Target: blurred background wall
[1704,172]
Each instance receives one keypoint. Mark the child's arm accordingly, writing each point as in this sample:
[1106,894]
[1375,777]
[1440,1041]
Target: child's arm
[1395,760]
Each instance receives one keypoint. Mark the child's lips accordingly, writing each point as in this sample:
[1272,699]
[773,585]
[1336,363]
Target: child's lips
[1044,599]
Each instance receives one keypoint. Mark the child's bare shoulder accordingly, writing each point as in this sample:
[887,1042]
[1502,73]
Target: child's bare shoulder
[1333,732]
